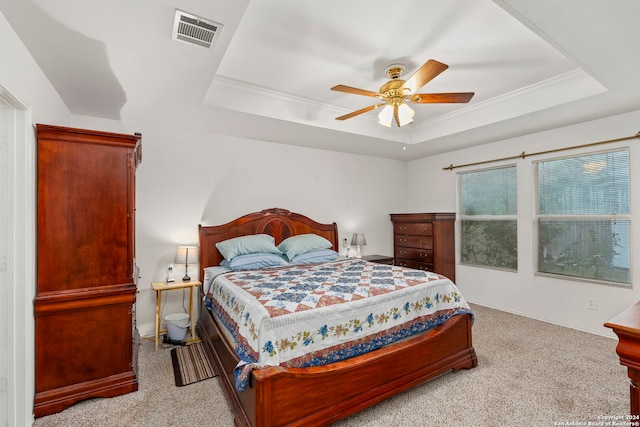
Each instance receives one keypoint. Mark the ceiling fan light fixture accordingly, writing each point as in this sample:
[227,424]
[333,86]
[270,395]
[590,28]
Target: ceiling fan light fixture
[405,114]
[396,92]
[386,116]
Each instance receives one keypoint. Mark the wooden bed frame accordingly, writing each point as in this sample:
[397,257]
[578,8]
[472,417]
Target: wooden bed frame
[322,395]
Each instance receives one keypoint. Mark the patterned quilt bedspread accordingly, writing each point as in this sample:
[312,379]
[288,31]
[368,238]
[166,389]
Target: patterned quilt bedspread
[299,316]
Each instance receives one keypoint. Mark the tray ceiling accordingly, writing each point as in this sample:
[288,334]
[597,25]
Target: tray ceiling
[532,66]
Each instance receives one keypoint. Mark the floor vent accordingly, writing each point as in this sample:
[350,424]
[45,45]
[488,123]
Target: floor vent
[195,30]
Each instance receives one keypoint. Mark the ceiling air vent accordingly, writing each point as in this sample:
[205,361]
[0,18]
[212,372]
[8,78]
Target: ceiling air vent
[193,29]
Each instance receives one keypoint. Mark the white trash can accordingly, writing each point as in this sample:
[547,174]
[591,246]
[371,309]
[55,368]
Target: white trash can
[177,325]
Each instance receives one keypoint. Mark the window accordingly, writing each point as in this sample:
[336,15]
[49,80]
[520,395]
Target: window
[583,216]
[488,218]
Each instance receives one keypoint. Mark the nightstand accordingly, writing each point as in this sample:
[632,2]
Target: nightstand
[380,259]
[160,287]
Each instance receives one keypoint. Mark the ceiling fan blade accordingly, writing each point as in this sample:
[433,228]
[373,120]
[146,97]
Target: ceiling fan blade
[361,111]
[424,75]
[437,98]
[354,90]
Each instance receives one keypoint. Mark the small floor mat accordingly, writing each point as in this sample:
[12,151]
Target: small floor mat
[190,364]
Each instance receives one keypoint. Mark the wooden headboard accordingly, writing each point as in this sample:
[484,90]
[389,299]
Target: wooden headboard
[279,223]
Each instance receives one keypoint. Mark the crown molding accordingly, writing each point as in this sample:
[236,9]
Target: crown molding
[240,96]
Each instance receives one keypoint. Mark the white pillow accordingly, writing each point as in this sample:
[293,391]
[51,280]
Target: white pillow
[250,244]
[302,243]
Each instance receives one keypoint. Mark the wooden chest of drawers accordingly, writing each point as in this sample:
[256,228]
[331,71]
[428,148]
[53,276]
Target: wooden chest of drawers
[425,241]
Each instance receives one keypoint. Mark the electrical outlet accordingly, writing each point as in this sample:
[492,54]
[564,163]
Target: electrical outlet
[592,304]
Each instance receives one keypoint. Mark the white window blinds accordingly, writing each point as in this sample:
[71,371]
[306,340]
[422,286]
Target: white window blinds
[583,216]
[488,218]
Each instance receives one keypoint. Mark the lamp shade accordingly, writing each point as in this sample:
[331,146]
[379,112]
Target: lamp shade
[187,255]
[358,240]
[405,114]
[385,116]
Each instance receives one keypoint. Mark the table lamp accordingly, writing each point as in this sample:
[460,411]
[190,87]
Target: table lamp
[186,255]
[358,240]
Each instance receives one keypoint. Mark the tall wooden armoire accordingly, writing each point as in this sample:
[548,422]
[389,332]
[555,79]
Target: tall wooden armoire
[85,334]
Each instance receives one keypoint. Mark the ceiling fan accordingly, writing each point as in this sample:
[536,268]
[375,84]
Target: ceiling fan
[396,92]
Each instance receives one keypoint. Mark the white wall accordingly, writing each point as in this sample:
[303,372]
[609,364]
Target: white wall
[559,301]
[23,78]
[229,177]
[190,175]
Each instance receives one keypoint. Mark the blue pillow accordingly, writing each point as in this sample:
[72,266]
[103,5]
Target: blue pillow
[296,245]
[254,243]
[254,261]
[315,257]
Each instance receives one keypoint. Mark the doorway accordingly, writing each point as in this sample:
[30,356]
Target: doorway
[17,261]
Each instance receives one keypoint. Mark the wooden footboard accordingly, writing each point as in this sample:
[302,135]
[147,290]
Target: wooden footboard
[324,394]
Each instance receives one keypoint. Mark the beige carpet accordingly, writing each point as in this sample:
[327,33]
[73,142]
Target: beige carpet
[529,373]
[157,403]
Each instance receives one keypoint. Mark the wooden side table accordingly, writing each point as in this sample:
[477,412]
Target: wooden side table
[160,287]
[380,259]
[626,325]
